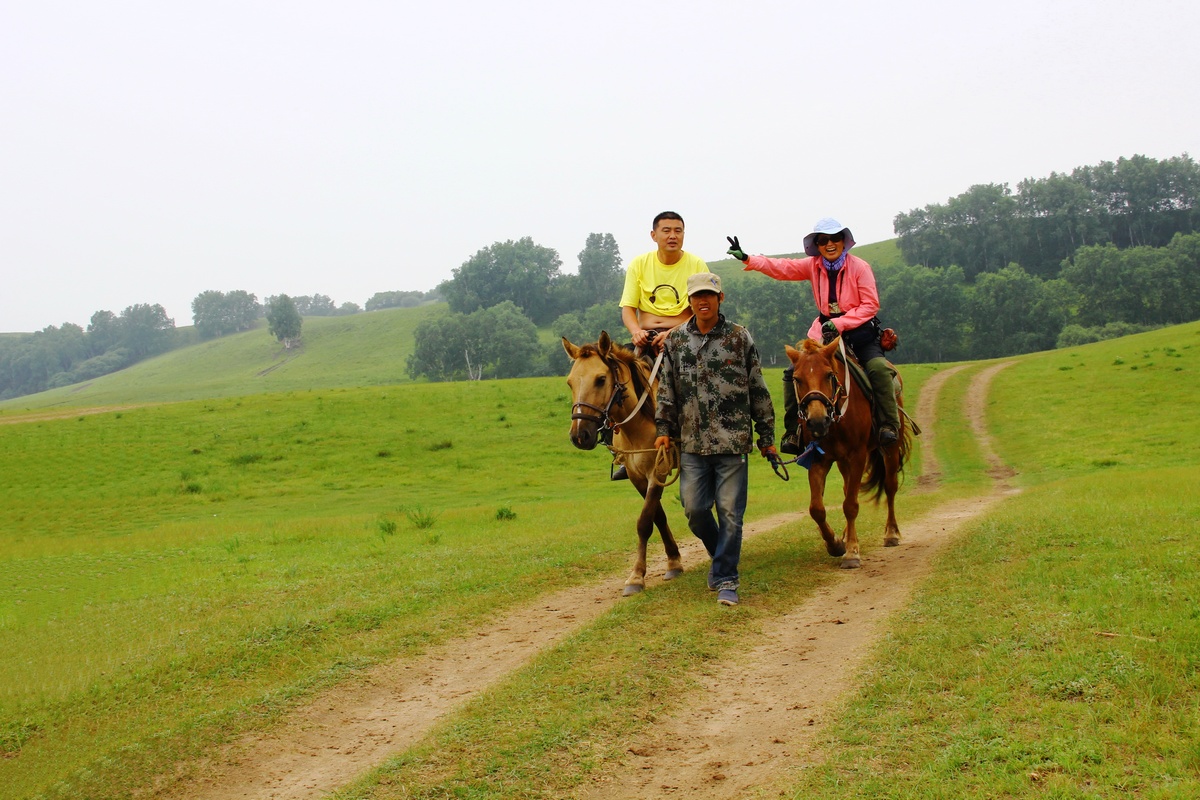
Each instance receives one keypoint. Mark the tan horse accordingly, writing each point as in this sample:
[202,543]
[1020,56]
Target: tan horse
[606,383]
[836,415]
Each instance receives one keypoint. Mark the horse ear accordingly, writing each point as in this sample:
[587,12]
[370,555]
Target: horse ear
[604,345]
[572,350]
[792,353]
[831,348]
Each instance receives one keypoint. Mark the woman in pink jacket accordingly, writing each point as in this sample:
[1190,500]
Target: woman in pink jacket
[844,288]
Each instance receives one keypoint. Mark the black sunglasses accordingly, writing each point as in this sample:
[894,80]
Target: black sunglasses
[824,239]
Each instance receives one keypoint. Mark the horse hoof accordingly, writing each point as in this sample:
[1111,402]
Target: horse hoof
[891,541]
[632,589]
[836,550]
[851,562]
[672,574]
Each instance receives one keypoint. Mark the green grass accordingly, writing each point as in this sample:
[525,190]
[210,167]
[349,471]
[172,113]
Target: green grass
[181,573]
[1075,674]
[1124,404]
[188,570]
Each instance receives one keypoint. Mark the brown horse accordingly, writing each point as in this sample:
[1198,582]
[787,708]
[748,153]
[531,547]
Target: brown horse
[606,383]
[836,416]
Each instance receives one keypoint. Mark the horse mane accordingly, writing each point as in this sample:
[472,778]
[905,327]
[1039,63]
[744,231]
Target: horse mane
[639,374]
[808,346]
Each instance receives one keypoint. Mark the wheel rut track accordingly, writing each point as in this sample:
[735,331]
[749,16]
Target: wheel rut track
[758,716]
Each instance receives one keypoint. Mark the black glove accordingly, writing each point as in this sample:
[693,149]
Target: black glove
[735,249]
[829,332]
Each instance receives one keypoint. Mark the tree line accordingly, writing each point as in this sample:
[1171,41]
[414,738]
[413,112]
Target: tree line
[499,297]
[61,355]
[1134,202]
[1106,251]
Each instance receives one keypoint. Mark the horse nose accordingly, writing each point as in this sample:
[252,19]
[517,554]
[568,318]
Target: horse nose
[583,439]
[818,427]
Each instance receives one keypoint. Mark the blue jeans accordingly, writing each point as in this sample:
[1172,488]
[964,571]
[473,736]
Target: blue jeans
[720,480]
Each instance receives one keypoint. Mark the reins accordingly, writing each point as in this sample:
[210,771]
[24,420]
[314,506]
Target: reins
[649,383]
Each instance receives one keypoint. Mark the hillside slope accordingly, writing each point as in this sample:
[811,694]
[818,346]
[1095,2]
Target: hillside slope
[360,350]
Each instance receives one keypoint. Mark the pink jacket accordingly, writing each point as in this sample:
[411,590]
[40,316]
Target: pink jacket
[856,292]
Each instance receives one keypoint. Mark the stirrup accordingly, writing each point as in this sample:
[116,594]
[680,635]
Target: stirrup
[887,434]
[790,445]
[619,474]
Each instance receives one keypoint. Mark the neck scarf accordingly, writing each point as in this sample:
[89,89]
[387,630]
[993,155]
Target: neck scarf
[834,266]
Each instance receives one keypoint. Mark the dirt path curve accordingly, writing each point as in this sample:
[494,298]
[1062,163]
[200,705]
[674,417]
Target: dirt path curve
[926,415]
[759,717]
[351,729]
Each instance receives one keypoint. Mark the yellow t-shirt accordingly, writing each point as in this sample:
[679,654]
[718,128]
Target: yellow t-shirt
[646,276]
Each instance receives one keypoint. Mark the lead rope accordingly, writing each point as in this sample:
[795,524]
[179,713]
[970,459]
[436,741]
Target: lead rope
[666,462]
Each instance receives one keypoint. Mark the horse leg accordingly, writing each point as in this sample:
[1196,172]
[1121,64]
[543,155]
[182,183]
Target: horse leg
[816,509]
[852,472]
[891,484]
[636,581]
[674,560]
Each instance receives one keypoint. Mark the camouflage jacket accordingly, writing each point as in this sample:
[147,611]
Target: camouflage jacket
[711,390]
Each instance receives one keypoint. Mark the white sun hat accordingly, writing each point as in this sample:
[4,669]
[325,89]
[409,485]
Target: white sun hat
[827,225]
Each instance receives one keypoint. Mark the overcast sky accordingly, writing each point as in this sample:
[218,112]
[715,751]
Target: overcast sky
[150,151]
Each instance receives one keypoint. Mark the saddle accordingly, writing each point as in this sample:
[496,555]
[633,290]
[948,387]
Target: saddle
[860,375]
[864,384]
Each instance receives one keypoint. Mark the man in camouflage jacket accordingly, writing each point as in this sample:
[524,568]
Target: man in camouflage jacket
[711,393]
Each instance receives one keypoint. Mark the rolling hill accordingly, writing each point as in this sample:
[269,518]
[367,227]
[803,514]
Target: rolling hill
[360,350]
[367,349]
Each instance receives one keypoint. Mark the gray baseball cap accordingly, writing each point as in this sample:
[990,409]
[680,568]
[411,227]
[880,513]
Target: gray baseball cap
[703,282]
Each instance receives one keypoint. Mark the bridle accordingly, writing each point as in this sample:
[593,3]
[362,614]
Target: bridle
[839,389]
[602,416]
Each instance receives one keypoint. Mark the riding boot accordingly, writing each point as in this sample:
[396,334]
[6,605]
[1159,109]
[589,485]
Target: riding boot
[790,443]
[619,474]
[887,412]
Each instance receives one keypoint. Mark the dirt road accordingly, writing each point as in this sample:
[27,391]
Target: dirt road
[746,732]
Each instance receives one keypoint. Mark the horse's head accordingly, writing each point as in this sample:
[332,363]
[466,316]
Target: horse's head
[819,382]
[595,391]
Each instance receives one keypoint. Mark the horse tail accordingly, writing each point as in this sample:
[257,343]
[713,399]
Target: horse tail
[873,475]
[876,470]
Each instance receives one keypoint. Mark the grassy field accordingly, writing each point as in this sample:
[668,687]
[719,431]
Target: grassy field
[187,570]
[177,574]
[1076,673]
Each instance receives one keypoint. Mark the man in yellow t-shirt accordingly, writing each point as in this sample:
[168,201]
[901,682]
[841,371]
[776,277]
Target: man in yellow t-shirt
[655,295]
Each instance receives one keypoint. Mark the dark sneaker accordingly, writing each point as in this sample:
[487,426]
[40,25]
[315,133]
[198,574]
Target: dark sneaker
[887,434]
[727,597]
[620,474]
[790,445]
